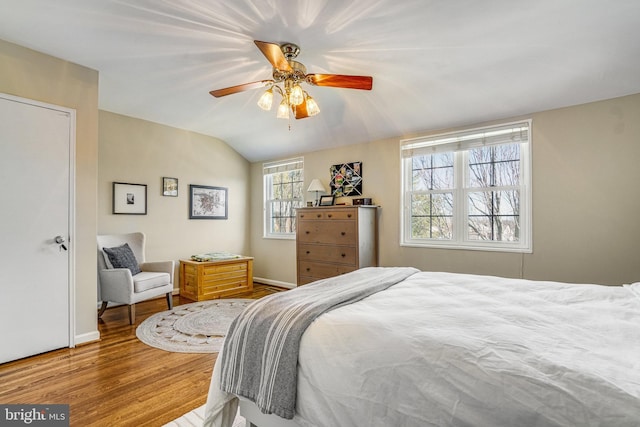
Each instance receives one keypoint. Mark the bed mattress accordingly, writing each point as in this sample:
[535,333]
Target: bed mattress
[444,349]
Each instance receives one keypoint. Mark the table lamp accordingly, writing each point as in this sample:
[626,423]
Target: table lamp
[316,186]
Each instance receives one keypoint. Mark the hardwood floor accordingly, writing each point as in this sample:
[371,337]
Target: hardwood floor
[118,381]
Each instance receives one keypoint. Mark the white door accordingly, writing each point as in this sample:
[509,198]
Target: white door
[35,162]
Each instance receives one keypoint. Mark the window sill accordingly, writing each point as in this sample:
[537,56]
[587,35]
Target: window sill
[280,237]
[469,247]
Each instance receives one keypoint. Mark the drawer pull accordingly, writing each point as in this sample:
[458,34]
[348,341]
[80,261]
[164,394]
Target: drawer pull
[319,215]
[306,232]
[329,215]
[344,255]
[308,269]
[308,252]
[348,215]
[301,215]
[342,233]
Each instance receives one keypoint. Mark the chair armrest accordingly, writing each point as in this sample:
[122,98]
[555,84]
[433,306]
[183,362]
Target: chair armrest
[159,267]
[116,285]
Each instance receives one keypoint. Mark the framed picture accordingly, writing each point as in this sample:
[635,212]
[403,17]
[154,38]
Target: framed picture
[326,200]
[207,202]
[169,186]
[129,199]
[346,179]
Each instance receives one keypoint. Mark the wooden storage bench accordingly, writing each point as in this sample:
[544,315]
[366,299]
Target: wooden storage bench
[215,279]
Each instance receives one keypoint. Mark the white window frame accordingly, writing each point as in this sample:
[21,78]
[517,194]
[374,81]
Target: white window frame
[459,143]
[268,169]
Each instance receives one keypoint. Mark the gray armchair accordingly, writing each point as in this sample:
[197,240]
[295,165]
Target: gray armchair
[127,280]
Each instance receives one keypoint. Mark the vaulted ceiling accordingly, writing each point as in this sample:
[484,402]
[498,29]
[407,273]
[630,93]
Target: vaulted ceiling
[435,64]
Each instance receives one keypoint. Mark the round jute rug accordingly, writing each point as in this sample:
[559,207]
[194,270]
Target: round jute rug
[199,327]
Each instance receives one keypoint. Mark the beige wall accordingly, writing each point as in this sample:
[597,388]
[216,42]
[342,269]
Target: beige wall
[586,201]
[40,77]
[141,152]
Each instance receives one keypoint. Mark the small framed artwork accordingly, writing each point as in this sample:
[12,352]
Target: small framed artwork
[129,199]
[207,202]
[326,200]
[169,186]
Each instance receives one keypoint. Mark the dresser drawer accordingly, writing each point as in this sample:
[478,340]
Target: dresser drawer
[336,232]
[321,271]
[303,280]
[328,215]
[327,253]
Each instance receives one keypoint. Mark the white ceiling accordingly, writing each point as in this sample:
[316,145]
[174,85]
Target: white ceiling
[435,64]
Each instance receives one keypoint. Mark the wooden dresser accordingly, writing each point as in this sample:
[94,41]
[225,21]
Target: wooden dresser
[215,279]
[335,240]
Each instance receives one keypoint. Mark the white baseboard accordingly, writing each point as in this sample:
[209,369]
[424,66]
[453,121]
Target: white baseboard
[275,283]
[88,337]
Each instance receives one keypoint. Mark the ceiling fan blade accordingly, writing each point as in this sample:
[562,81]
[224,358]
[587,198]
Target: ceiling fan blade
[300,110]
[274,54]
[340,80]
[239,88]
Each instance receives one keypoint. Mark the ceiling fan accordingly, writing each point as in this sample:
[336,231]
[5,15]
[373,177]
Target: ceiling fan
[287,76]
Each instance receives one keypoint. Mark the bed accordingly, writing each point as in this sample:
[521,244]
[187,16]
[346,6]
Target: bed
[445,349]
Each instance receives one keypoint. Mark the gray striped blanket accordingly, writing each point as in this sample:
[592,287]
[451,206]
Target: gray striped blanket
[260,354]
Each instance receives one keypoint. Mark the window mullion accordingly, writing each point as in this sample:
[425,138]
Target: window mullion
[408,193]
[461,200]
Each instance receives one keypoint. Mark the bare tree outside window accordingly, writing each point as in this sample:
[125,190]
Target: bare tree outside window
[468,189]
[493,193]
[285,196]
[432,196]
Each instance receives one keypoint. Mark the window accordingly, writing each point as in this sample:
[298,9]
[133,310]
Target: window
[283,194]
[468,189]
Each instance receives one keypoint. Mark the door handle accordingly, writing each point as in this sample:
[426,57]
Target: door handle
[60,240]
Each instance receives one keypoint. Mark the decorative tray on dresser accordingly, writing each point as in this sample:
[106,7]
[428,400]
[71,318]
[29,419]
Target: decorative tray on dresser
[335,240]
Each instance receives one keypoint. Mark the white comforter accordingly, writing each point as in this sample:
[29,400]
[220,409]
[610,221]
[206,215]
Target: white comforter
[443,349]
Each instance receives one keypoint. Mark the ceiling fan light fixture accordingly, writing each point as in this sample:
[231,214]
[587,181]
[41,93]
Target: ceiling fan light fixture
[266,100]
[283,110]
[296,97]
[287,77]
[312,106]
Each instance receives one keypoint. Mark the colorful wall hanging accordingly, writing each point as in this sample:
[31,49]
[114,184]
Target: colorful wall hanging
[346,179]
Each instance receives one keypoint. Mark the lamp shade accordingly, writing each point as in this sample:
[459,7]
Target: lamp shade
[283,110]
[296,97]
[266,100]
[316,185]
[312,106]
